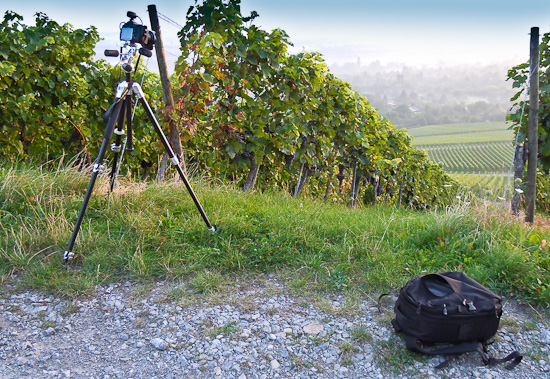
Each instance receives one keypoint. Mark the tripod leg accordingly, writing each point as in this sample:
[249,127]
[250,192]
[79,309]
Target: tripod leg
[116,147]
[141,97]
[107,135]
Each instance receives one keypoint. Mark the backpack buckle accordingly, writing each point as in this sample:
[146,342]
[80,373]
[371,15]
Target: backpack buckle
[470,305]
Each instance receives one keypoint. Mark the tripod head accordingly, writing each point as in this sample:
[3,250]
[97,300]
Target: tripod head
[131,35]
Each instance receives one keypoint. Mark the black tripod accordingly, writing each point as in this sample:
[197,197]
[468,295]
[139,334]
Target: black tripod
[120,111]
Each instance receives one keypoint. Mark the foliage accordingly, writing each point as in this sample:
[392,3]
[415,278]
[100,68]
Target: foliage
[518,115]
[495,187]
[246,109]
[543,191]
[54,94]
[45,78]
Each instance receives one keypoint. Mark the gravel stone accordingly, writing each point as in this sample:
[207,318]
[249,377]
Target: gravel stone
[159,344]
[116,333]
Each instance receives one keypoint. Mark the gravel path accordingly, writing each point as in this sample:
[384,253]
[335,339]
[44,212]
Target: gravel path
[255,330]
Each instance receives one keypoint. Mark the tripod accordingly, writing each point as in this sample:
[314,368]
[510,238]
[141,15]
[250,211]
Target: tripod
[120,111]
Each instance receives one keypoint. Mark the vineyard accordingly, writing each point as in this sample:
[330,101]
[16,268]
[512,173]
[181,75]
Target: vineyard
[485,158]
[477,155]
[247,112]
[491,187]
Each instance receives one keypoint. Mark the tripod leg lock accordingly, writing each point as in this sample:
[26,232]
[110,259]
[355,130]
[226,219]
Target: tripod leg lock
[119,132]
[68,255]
[121,89]
[136,88]
[116,148]
[175,161]
[97,168]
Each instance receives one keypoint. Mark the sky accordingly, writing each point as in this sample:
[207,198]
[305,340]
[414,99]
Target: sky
[415,33]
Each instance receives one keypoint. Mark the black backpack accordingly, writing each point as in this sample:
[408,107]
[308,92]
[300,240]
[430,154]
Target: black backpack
[451,309]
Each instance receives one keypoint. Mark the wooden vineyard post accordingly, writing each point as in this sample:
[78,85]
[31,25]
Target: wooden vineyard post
[174,136]
[532,131]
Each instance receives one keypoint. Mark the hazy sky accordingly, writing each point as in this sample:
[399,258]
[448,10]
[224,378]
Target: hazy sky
[424,32]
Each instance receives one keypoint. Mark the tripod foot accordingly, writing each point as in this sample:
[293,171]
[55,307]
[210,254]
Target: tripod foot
[213,229]
[68,255]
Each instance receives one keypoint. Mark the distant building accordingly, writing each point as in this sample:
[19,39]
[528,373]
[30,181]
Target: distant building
[414,109]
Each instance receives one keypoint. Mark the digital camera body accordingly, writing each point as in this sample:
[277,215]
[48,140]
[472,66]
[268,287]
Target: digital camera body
[137,33]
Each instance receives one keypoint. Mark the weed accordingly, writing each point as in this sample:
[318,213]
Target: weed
[14,308]
[227,330]
[530,326]
[141,319]
[142,291]
[299,362]
[175,294]
[246,304]
[347,361]
[70,309]
[48,324]
[536,353]
[510,324]
[317,340]
[361,334]
[347,348]
[393,356]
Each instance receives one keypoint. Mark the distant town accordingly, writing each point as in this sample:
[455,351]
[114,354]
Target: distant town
[410,96]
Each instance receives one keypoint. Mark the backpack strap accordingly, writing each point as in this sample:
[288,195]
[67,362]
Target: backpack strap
[514,357]
[414,344]
[379,300]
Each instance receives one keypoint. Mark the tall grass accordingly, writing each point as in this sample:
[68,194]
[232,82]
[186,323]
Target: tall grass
[148,231]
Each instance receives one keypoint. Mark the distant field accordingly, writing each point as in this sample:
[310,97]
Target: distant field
[479,158]
[461,134]
[477,155]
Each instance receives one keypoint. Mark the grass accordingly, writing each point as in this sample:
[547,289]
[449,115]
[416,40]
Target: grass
[143,232]
[361,334]
[393,357]
[227,330]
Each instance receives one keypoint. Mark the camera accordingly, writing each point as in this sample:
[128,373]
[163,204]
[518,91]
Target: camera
[137,33]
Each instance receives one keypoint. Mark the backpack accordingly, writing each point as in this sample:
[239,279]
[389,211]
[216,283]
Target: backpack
[452,309]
